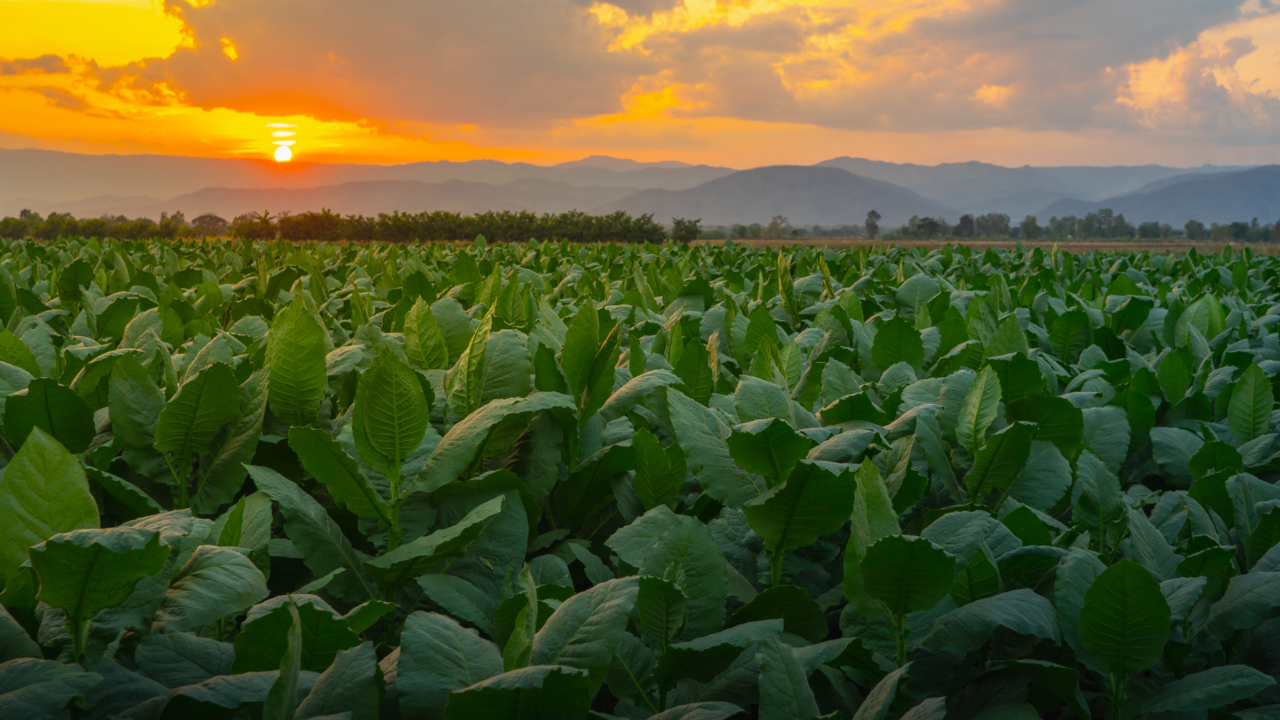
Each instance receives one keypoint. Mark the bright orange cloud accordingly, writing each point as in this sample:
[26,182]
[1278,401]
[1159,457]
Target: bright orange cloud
[727,82]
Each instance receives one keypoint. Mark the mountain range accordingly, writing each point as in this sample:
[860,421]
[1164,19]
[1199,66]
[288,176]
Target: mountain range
[838,191]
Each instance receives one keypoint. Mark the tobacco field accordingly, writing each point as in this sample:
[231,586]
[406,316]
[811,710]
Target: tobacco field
[545,480]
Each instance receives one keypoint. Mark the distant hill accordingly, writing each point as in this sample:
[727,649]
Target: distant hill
[360,198]
[980,188]
[619,164]
[44,180]
[804,195]
[1219,198]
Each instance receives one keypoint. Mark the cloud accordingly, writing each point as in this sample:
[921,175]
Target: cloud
[527,76]
[49,64]
[491,62]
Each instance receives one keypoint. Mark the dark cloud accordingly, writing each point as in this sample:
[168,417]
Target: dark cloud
[49,64]
[499,63]
[535,64]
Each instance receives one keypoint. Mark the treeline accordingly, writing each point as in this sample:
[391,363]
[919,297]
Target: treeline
[574,226]
[1105,223]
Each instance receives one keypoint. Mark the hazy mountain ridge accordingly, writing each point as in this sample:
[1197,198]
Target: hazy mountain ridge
[833,192]
[803,194]
[1219,198]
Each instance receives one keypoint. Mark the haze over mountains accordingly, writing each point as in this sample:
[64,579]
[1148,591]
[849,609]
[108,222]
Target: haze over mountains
[834,192]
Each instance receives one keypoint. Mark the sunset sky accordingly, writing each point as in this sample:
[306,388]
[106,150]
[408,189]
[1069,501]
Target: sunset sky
[739,83]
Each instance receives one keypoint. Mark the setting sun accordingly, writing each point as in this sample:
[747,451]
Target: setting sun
[283,154]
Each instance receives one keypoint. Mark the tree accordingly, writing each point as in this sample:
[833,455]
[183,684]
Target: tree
[210,225]
[1195,230]
[992,225]
[928,227]
[778,227]
[1275,231]
[873,224]
[965,228]
[685,231]
[252,226]
[1030,228]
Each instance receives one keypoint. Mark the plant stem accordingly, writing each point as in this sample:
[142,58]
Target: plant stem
[775,576]
[900,631]
[1117,695]
[79,636]
[393,532]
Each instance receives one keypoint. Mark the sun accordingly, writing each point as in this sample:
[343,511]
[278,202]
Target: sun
[283,153]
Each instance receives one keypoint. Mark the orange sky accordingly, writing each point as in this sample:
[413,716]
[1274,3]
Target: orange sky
[739,83]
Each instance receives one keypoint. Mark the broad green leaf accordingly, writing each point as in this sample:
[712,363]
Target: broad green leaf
[548,691]
[907,574]
[1070,334]
[519,645]
[352,684]
[55,409]
[897,341]
[1248,601]
[914,293]
[14,352]
[757,399]
[248,525]
[264,641]
[662,609]
[873,518]
[214,583]
[800,615]
[325,459]
[686,554]
[1007,338]
[424,344]
[282,698]
[880,700]
[43,492]
[633,542]
[1249,413]
[390,415]
[41,689]
[437,657]
[296,351]
[203,405]
[701,435]
[1106,432]
[816,499]
[1176,373]
[581,341]
[1001,459]
[418,557]
[585,630]
[180,659]
[14,641]
[967,628]
[704,658]
[784,691]
[768,447]
[85,571]
[979,410]
[1125,618]
[135,402]
[466,440]
[234,446]
[1209,689]
[660,471]
[316,536]
[465,380]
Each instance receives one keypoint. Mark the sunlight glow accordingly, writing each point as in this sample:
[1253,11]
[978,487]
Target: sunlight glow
[283,153]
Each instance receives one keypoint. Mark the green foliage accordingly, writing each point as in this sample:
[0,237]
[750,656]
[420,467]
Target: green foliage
[544,480]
